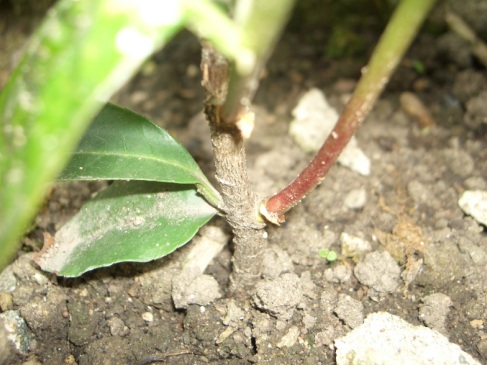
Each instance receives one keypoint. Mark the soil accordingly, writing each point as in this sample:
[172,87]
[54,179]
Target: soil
[407,248]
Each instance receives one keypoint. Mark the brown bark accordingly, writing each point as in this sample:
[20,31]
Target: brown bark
[240,203]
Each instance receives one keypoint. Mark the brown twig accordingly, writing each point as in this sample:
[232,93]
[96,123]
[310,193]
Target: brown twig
[227,108]
[240,203]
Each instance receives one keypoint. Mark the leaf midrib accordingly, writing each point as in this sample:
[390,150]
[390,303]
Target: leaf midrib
[147,157]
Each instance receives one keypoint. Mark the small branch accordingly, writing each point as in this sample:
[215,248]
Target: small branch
[394,42]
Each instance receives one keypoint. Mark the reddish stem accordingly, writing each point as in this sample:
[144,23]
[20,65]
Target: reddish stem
[317,169]
[396,38]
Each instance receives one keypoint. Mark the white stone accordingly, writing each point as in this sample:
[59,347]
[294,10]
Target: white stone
[289,338]
[17,330]
[353,246]
[474,203]
[385,339]
[148,316]
[356,199]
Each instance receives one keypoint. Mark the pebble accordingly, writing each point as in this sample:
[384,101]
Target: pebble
[279,296]
[8,281]
[234,314]
[474,203]
[17,330]
[148,316]
[353,246]
[326,337]
[378,271]
[356,199]
[6,301]
[413,106]
[192,287]
[290,338]
[482,348]
[459,162]
[338,274]
[328,299]
[434,310]
[313,120]
[349,310]
[117,326]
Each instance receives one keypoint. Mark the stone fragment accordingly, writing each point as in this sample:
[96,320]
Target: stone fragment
[290,338]
[434,310]
[387,339]
[117,327]
[192,287]
[379,271]
[349,310]
[353,246]
[279,296]
[17,330]
[356,199]
[474,203]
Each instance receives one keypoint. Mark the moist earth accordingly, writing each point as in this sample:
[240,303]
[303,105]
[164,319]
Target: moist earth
[404,245]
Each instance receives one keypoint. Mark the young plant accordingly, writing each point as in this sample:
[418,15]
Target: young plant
[168,198]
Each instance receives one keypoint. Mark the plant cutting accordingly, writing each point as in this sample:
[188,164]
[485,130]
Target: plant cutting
[167,198]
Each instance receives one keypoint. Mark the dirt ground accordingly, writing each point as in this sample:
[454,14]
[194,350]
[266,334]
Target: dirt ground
[404,245]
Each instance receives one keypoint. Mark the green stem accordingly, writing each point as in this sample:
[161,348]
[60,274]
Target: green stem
[211,194]
[261,23]
[209,21]
[394,42]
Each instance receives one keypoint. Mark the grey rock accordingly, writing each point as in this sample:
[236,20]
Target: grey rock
[482,349]
[326,337]
[338,274]
[350,310]
[8,281]
[17,330]
[192,287]
[279,296]
[234,314]
[434,310]
[328,299]
[117,327]
[5,347]
[379,271]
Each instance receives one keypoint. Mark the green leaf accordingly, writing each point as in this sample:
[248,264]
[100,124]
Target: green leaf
[83,52]
[129,221]
[123,145]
